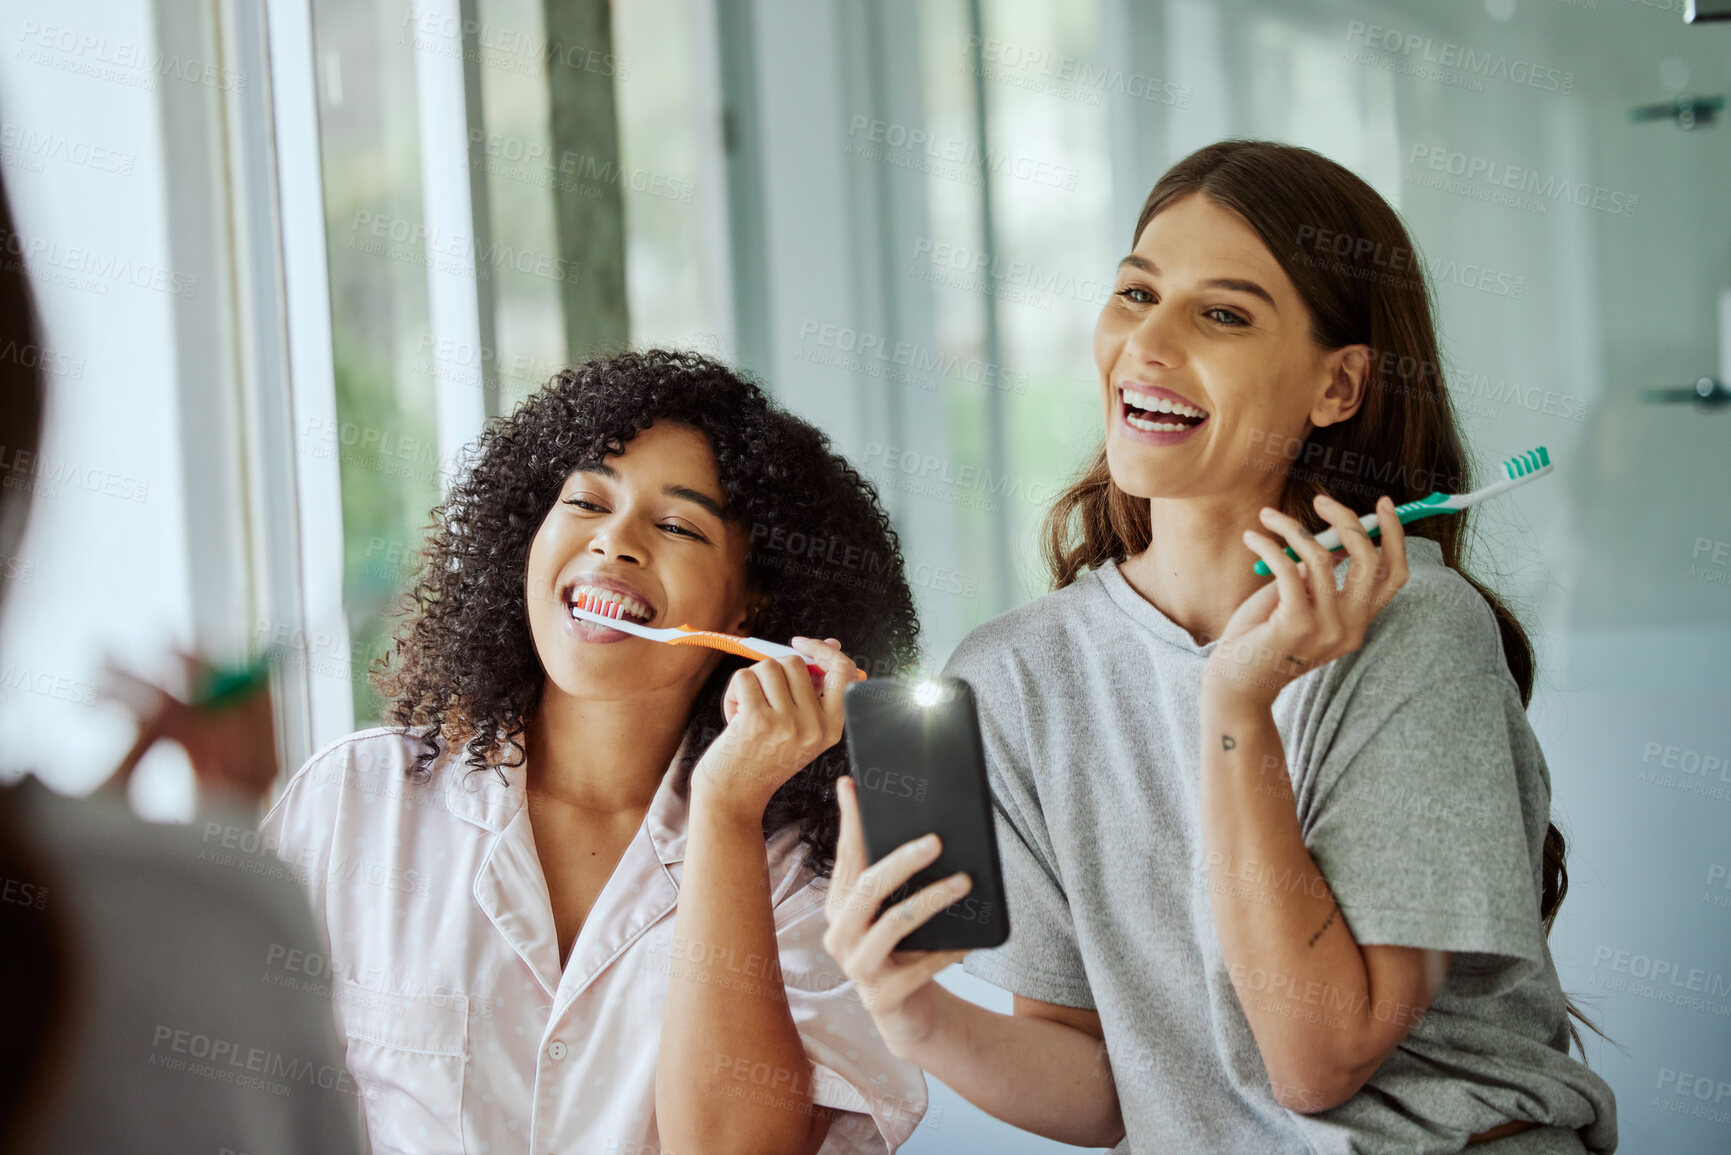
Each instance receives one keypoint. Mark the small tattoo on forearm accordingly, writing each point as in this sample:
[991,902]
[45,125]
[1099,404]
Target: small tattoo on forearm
[1227,741]
[1326,923]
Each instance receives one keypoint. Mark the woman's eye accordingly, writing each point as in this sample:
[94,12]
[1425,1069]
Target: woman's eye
[585,504]
[675,527]
[1226,316]
[1139,295]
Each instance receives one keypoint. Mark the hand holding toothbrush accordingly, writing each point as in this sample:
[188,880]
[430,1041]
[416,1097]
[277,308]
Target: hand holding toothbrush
[1517,471]
[778,720]
[1300,620]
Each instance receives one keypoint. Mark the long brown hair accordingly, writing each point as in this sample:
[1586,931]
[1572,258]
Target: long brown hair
[1352,261]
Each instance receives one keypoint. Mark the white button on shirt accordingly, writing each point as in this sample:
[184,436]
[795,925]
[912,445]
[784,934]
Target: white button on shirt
[444,968]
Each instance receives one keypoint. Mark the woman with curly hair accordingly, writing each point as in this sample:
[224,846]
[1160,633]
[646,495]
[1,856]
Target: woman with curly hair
[499,869]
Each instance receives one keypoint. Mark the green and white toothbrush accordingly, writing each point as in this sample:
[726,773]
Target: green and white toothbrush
[1518,470]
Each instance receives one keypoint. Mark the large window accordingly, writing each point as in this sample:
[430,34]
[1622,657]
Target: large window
[1019,254]
[385,437]
[653,194]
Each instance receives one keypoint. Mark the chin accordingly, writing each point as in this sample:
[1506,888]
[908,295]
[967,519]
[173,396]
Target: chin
[616,673]
[1137,475]
[592,682]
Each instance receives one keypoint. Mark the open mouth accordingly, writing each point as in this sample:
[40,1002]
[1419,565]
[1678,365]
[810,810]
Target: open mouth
[609,602]
[1154,414]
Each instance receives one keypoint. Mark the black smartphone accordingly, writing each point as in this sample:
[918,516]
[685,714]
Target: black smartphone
[920,768]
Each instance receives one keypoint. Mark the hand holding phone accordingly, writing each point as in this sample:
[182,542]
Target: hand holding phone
[919,768]
[926,851]
[895,986]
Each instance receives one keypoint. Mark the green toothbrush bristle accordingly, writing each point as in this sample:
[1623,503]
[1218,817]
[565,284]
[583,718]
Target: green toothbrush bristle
[1528,462]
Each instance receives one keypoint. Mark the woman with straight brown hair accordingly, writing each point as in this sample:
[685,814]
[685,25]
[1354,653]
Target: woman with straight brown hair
[1277,850]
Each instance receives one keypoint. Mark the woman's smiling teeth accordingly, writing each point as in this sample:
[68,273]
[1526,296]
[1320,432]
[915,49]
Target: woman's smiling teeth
[602,602]
[1139,409]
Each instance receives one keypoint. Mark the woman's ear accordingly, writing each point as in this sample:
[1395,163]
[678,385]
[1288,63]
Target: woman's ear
[749,611]
[1348,377]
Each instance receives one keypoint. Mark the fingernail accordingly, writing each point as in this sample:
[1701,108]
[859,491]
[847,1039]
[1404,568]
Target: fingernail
[958,882]
[928,842]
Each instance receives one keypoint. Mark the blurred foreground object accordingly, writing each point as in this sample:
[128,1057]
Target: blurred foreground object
[225,724]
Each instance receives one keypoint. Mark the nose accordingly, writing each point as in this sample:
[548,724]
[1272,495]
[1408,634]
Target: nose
[618,540]
[1154,340]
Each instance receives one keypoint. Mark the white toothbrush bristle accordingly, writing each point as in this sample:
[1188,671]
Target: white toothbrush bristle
[610,605]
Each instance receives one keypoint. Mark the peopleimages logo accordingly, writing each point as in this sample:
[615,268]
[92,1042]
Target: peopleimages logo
[1470,62]
[864,349]
[401,239]
[539,166]
[1487,179]
[1671,978]
[133,65]
[1069,77]
[30,148]
[982,270]
[506,49]
[89,270]
[950,157]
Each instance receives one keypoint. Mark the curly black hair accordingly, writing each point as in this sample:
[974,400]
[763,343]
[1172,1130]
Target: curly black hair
[823,559]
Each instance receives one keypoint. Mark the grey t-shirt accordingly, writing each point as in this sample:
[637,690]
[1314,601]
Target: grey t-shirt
[197,1019]
[1421,793]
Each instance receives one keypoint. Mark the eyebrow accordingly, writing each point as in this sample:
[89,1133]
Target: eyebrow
[1233,283]
[695,496]
[698,498]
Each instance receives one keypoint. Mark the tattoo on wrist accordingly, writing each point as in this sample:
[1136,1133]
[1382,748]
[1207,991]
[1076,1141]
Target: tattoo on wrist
[1227,741]
[1326,923]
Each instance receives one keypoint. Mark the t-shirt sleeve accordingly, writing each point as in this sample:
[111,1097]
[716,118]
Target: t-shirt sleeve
[1041,959]
[877,1099]
[1422,826]
[301,827]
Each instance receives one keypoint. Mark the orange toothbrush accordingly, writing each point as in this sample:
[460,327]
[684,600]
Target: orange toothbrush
[594,609]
